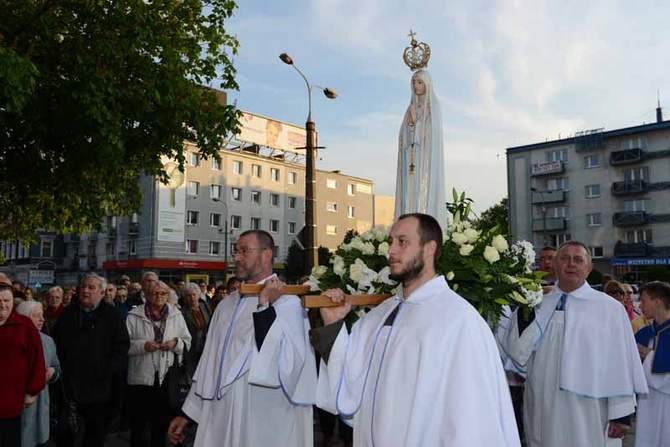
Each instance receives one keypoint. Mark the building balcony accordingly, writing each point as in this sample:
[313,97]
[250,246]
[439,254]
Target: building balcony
[631,218]
[636,250]
[134,228]
[544,197]
[552,223]
[552,167]
[627,156]
[629,187]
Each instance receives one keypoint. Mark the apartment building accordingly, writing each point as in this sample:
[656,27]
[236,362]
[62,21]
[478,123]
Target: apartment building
[608,189]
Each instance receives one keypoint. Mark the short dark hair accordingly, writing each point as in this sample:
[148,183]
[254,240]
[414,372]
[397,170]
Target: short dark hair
[658,289]
[232,280]
[429,230]
[578,244]
[264,238]
[547,248]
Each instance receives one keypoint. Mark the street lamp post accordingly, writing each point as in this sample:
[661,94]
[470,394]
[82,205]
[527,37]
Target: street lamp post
[225,234]
[311,254]
[544,215]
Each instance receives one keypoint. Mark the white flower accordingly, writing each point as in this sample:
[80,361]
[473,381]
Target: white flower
[381,234]
[318,271]
[357,270]
[466,249]
[471,234]
[345,247]
[500,243]
[491,254]
[313,284]
[338,266]
[356,243]
[510,279]
[459,238]
[368,236]
[383,276]
[450,276]
[353,291]
[368,248]
[383,249]
[533,297]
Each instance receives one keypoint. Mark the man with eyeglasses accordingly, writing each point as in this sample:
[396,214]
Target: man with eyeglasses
[22,374]
[256,380]
[92,342]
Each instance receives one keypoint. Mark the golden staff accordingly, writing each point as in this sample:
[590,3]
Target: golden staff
[316,301]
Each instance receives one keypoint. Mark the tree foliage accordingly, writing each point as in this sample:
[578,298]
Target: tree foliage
[94,93]
[497,214]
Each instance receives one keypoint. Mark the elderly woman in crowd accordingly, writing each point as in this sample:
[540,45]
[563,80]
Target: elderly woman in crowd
[54,307]
[616,290]
[197,315]
[35,418]
[157,330]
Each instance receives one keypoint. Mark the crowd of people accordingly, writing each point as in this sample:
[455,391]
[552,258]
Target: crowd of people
[422,368]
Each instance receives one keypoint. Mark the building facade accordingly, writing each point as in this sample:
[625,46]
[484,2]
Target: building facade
[610,190]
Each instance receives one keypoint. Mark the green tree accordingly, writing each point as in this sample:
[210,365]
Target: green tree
[94,93]
[497,214]
[294,263]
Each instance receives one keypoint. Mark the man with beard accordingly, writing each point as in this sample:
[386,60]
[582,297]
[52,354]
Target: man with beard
[422,368]
[256,379]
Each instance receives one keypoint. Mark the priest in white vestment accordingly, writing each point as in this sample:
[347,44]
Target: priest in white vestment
[422,368]
[580,358]
[653,427]
[255,382]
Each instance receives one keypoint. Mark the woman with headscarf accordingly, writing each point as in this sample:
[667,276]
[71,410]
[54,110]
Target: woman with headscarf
[35,418]
[197,315]
[420,183]
[157,331]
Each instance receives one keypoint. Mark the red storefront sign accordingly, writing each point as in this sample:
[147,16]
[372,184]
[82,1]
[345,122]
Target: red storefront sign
[178,264]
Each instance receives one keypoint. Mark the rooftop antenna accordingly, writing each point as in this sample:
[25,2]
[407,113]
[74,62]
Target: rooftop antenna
[659,111]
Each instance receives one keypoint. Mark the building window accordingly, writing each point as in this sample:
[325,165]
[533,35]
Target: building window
[558,155]
[592,191]
[237,167]
[214,219]
[111,249]
[235,222]
[331,229]
[274,199]
[216,164]
[351,212]
[255,223]
[215,191]
[331,206]
[291,227]
[256,171]
[192,217]
[132,247]
[274,226]
[292,202]
[592,161]
[596,252]
[236,194]
[274,174]
[256,197]
[594,220]
[558,239]
[331,183]
[631,206]
[351,189]
[634,143]
[46,248]
[193,159]
[558,184]
[636,174]
[191,246]
[193,188]
[557,212]
[292,178]
[638,236]
[214,248]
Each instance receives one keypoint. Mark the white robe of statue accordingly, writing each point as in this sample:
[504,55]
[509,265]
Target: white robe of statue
[420,145]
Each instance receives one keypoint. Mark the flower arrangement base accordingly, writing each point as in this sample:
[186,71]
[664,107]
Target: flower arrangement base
[316,301]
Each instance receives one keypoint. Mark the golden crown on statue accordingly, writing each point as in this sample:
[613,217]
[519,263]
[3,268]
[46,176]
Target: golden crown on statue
[417,55]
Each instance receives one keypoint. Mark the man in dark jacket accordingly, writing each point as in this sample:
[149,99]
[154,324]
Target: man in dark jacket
[92,343]
[22,371]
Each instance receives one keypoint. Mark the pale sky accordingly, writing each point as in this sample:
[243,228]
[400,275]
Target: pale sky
[507,73]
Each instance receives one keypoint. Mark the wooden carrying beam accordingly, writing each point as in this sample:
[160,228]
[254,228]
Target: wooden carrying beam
[315,301]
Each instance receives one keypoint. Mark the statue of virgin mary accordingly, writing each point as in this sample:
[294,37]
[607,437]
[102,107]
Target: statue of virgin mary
[420,186]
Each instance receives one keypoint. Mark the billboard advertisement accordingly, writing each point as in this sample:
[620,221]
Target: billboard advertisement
[256,129]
